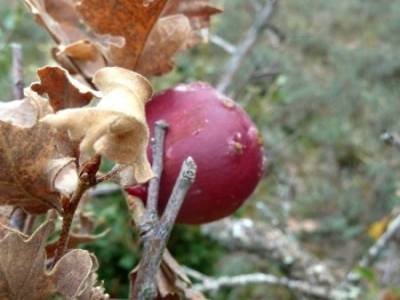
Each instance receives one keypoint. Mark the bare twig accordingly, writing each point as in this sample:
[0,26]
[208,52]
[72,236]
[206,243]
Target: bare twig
[248,42]
[222,43]
[17,71]
[155,241]
[87,179]
[158,152]
[19,216]
[271,243]
[211,284]
[110,174]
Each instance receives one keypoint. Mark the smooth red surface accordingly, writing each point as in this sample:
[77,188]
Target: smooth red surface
[222,140]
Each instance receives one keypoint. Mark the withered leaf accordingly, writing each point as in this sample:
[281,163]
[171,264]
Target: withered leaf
[35,161]
[116,128]
[132,20]
[170,35]
[23,272]
[63,90]
[129,34]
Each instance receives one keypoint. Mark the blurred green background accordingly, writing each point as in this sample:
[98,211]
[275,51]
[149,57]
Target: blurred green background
[322,88]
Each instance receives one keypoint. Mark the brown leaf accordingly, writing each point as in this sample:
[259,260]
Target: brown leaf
[35,161]
[132,20]
[23,273]
[129,34]
[59,18]
[63,90]
[116,128]
[170,35]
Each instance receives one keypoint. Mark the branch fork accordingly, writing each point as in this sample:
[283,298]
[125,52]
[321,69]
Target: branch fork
[155,231]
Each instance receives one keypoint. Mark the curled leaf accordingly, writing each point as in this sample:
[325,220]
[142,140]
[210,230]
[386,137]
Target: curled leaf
[116,128]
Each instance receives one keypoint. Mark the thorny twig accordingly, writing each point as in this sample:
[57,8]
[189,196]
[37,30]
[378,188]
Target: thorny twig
[156,233]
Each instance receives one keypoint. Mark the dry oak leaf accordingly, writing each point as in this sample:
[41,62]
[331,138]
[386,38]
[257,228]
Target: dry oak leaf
[116,128]
[35,161]
[61,20]
[121,33]
[62,90]
[130,20]
[170,35]
[23,272]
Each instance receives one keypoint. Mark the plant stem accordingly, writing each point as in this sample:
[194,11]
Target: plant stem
[154,185]
[87,179]
[155,242]
[19,216]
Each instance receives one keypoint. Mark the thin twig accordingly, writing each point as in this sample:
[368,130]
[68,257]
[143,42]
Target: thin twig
[160,129]
[110,174]
[19,216]
[222,43]
[270,242]
[87,179]
[155,241]
[248,42]
[17,71]
[212,284]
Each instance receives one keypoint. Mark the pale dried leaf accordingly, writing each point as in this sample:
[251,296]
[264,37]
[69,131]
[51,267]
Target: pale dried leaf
[116,128]
[23,273]
[34,159]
